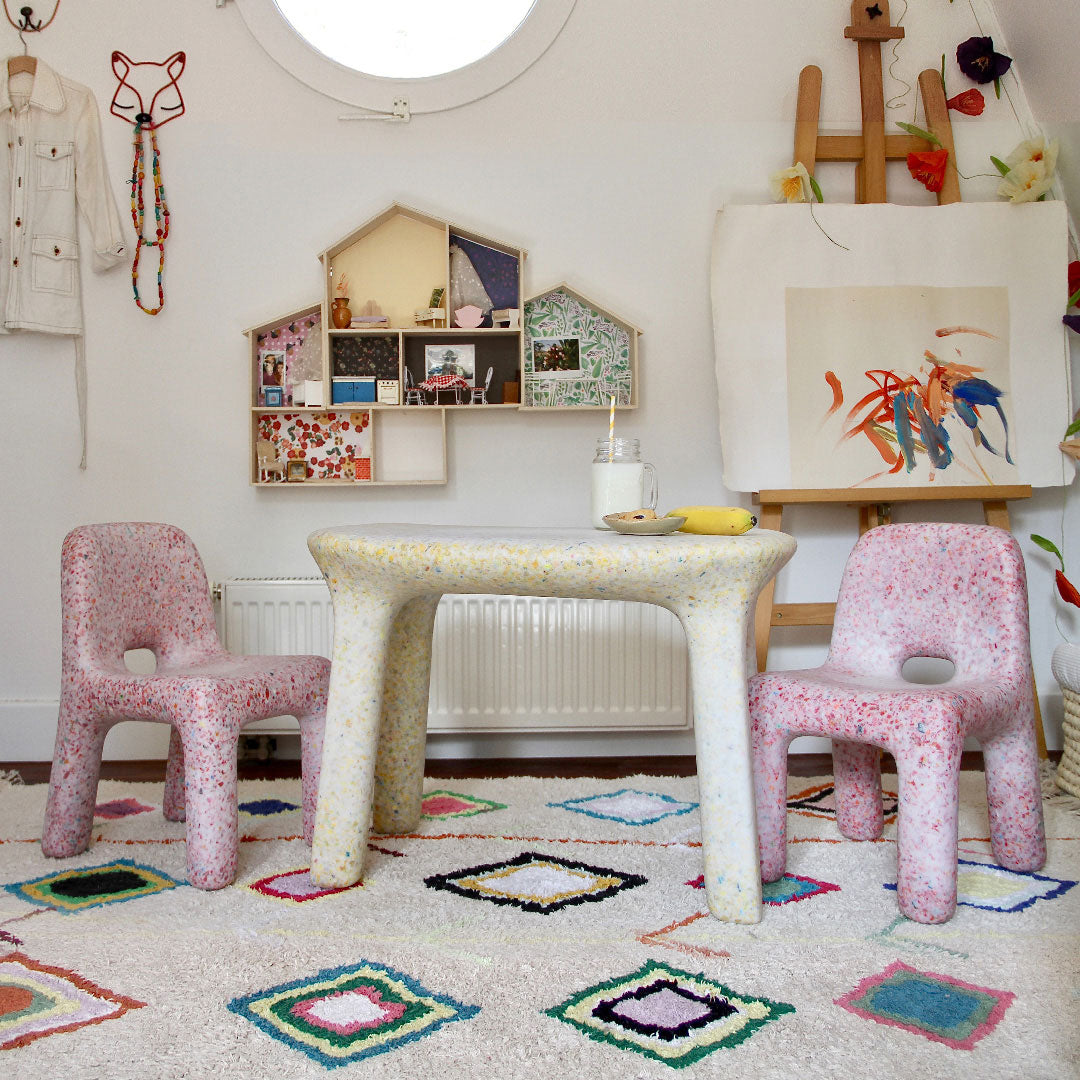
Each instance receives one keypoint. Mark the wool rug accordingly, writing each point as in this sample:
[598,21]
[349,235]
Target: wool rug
[530,928]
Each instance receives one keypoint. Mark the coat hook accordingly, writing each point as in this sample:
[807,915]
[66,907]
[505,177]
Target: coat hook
[27,20]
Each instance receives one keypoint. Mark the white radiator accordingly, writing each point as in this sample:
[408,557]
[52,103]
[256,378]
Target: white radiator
[499,663]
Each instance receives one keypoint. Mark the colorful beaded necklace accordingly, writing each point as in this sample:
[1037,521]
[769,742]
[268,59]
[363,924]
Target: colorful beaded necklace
[138,213]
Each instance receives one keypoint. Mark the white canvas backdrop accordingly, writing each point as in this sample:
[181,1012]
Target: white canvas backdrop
[762,252]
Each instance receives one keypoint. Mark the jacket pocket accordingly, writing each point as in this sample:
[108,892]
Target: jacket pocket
[53,265]
[56,161]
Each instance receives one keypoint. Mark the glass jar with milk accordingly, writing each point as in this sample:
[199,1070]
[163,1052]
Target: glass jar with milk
[621,481]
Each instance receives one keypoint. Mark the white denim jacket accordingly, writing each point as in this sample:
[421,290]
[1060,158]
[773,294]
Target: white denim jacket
[53,137]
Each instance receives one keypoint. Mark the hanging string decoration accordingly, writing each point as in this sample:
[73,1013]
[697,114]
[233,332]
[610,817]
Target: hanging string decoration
[141,81]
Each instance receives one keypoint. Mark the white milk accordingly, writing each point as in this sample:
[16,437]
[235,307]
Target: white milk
[616,487]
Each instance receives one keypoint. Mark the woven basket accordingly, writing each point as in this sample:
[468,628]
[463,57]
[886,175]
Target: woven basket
[1066,668]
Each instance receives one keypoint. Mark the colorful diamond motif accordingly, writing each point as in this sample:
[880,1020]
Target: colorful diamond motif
[441,805]
[993,888]
[534,882]
[346,1014]
[789,889]
[266,807]
[38,1000]
[91,886]
[628,805]
[820,801]
[664,1013]
[120,808]
[296,886]
[937,1007]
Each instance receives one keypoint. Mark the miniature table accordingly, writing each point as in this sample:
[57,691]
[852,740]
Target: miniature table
[440,383]
[385,583]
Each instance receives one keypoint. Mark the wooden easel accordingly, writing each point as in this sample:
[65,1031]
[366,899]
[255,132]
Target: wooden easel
[869,150]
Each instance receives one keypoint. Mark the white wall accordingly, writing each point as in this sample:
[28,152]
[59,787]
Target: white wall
[607,161]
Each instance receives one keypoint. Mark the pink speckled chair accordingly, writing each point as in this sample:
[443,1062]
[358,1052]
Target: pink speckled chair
[955,592]
[140,585]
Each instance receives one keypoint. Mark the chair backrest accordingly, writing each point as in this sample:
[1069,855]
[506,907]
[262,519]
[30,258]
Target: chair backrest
[134,585]
[266,452]
[957,592]
[487,378]
[408,380]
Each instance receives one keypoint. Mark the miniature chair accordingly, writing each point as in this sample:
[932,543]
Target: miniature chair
[478,394]
[141,585]
[957,592]
[413,396]
[268,461]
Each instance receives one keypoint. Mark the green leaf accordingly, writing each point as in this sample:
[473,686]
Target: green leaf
[997,88]
[918,132]
[943,67]
[999,165]
[1048,545]
[815,187]
[1073,428]
[1074,299]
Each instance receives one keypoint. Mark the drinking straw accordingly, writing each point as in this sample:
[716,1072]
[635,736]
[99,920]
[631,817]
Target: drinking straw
[611,431]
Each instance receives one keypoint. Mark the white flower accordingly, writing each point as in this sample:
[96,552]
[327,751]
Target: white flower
[1036,152]
[1026,182]
[791,185]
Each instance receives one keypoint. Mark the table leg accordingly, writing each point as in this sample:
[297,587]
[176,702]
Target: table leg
[716,642]
[399,767]
[353,710]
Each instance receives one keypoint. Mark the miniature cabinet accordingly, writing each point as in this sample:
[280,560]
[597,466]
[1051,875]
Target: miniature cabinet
[417,314]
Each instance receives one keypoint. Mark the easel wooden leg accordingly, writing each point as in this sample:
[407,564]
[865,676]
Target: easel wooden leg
[769,517]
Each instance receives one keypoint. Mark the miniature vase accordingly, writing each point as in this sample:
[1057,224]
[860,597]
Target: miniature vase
[340,315]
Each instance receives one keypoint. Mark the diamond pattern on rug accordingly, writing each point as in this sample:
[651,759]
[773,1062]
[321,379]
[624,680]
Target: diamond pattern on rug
[267,807]
[993,888]
[346,1014]
[91,886]
[820,801]
[628,806]
[789,889]
[937,1007]
[441,805]
[120,808]
[667,1014]
[296,886]
[38,1000]
[535,882]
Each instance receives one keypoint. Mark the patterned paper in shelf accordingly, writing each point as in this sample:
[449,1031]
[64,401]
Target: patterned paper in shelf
[330,442]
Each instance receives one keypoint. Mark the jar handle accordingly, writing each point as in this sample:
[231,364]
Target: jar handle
[652,486]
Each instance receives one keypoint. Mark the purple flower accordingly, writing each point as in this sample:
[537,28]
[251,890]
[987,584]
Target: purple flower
[1072,322]
[979,62]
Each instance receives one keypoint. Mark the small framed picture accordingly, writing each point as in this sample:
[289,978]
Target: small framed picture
[271,367]
[273,396]
[450,360]
[296,469]
[557,357]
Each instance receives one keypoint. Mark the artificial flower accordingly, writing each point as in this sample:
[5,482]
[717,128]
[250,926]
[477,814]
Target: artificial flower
[1066,589]
[1072,322]
[979,62]
[1026,182]
[970,102]
[1074,280]
[791,185]
[1037,152]
[928,167]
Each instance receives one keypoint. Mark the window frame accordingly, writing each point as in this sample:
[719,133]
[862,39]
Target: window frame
[433,93]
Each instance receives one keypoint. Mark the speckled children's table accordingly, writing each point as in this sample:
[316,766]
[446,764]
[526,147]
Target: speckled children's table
[385,582]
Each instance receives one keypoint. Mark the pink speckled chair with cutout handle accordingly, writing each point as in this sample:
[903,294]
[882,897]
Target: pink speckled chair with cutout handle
[955,592]
[139,585]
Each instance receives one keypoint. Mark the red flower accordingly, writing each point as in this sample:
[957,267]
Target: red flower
[1066,589]
[928,167]
[1074,277]
[970,102]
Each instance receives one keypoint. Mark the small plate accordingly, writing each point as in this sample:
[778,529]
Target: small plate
[655,527]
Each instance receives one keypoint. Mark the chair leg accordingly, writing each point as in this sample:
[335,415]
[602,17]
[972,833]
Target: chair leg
[172,804]
[210,788]
[770,754]
[857,781]
[927,831]
[73,779]
[1014,799]
[311,744]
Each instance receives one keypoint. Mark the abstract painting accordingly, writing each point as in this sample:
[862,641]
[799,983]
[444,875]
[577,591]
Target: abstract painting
[891,346]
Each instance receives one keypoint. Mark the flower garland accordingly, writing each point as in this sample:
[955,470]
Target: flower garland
[138,214]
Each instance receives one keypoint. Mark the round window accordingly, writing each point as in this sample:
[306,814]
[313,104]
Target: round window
[432,55]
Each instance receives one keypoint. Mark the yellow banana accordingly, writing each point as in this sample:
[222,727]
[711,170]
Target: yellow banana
[716,520]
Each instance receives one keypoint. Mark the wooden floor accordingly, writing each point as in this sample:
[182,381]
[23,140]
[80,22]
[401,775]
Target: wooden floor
[37,772]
